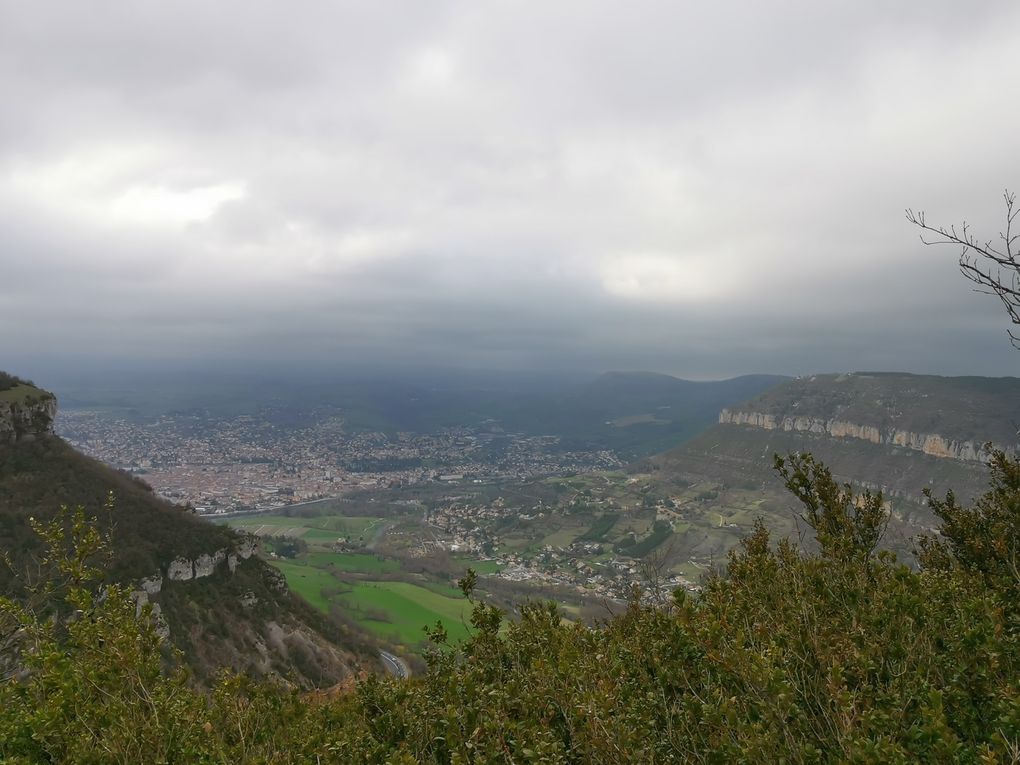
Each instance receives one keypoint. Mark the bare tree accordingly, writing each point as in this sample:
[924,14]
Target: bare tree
[654,568]
[994,268]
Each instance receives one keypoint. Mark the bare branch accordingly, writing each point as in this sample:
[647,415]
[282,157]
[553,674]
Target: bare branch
[995,271]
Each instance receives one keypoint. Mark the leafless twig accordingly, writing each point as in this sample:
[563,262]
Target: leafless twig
[994,268]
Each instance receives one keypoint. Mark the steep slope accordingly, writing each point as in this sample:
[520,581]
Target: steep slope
[897,432]
[25,410]
[221,605]
[940,416]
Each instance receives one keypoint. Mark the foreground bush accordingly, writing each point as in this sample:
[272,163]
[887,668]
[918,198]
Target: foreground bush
[841,656]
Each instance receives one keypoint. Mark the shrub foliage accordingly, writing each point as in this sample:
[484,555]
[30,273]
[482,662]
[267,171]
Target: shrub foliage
[842,655]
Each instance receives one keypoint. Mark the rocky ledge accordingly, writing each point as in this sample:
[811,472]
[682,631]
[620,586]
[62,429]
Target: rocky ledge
[932,444]
[26,412]
[186,569]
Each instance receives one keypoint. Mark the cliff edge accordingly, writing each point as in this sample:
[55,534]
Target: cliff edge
[26,411]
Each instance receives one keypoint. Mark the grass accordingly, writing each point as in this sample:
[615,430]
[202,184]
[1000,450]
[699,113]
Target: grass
[365,563]
[408,607]
[649,543]
[601,527]
[689,570]
[517,542]
[562,537]
[396,611]
[21,392]
[308,582]
[321,535]
[323,528]
[481,566]
[639,525]
[681,527]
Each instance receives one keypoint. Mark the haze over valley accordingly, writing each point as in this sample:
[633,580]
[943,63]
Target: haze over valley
[588,382]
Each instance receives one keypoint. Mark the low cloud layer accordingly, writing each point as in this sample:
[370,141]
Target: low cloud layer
[703,189]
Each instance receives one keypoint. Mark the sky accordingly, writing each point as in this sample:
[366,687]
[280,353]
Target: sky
[702,189]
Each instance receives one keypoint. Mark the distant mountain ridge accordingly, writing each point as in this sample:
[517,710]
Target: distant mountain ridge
[639,413]
[901,433]
[632,413]
[900,409]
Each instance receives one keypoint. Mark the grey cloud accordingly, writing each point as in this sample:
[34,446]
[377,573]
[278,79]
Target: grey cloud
[700,189]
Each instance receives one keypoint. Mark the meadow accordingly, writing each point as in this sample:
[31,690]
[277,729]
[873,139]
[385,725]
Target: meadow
[395,609]
[326,528]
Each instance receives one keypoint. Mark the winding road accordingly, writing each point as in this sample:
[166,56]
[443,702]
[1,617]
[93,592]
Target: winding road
[395,665]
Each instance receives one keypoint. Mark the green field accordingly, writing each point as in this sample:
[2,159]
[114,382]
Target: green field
[325,528]
[481,566]
[308,582]
[396,611]
[353,562]
[563,537]
[408,608]
[21,392]
[602,525]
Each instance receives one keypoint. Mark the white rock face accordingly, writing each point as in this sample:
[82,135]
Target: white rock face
[205,565]
[754,419]
[247,546]
[159,623]
[24,420]
[141,599]
[180,570]
[843,429]
[929,443]
[152,584]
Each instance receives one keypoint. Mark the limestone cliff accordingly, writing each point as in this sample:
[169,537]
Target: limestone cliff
[25,413]
[932,444]
[182,569]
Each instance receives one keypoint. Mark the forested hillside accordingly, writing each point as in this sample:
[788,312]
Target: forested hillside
[219,605]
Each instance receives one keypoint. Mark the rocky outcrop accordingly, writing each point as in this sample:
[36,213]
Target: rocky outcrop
[141,599]
[180,570]
[937,446]
[932,444]
[183,569]
[247,546]
[205,565]
[27,415]
[754,419]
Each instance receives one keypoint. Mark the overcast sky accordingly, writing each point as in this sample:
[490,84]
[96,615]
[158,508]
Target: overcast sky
[705,189]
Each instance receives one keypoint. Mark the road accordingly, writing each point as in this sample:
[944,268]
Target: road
[395,665]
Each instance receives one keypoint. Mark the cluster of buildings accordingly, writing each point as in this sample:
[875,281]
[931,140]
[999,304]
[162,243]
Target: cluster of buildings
[261,462]
[582,565]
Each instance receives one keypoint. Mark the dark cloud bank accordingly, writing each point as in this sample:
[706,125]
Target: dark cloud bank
[701,189]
